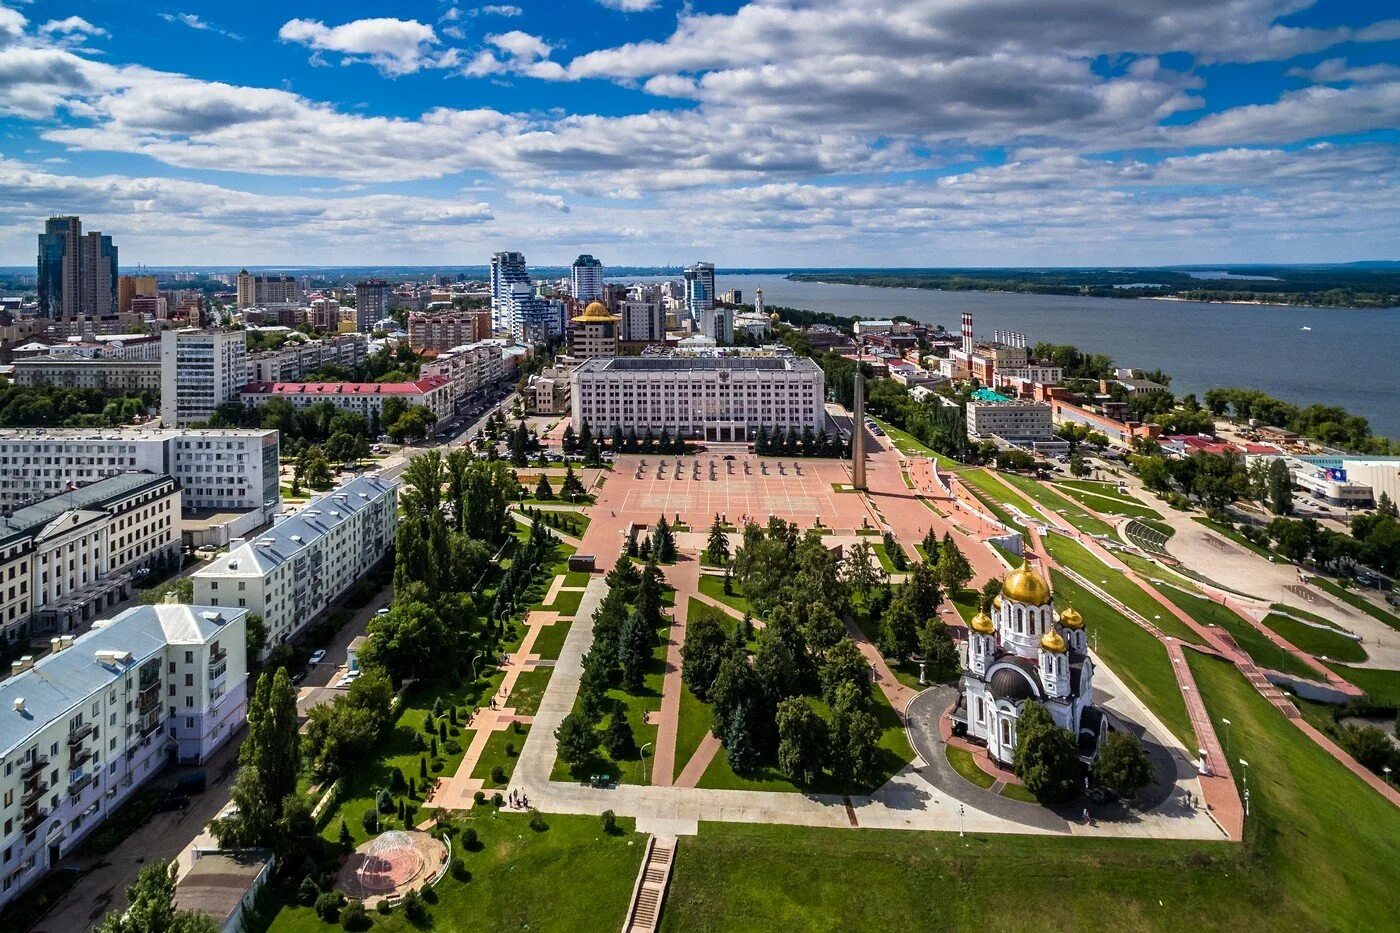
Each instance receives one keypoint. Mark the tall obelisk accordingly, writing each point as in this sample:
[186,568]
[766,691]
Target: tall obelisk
[858,434]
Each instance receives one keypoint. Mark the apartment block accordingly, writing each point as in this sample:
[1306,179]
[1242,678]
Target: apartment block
[293,571]
[84,727]
[104,374]
[200,370]
[295,360]
[432,392]
[442,331]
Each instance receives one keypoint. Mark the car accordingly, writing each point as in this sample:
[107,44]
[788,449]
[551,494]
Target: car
[299,676]
[190,784]
[382,612]
[1393,599]
[317,657]
[173,801]
[1365,579]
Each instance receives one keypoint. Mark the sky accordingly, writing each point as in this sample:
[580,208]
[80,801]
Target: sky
[652,132]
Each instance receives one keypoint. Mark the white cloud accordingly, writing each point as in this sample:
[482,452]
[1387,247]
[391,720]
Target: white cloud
[72,26]
[629,6]
[1335,71]
[517,53]
[537,199]
[194,21]
[394,46]
[498,9]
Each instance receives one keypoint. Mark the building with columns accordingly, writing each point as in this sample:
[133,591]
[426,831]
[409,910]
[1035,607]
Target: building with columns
[1025,651]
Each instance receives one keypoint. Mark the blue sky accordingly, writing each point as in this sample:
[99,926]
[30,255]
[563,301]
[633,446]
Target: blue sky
[774,132]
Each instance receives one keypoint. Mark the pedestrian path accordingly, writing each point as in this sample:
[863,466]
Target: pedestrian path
[684,578]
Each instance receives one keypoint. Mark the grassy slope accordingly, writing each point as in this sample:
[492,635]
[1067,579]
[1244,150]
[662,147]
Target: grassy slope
[1311,860]
[1382,686]
[1316,641]
[1255,643]
[521,880]
[1052,500]
[993,487]
[1076,557]
[1104,498]
[713,586]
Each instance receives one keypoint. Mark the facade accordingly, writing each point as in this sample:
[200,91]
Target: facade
[77,272]
[66,559]
[586,279]
[529,318]
[1347,479]
[548,392]
[86,726]
[134,286]
[290,573]
[256,291]
[104,374]
[643,320]
[1014,420]
[216,469]
[717,397]
[371,304]
[200,370]
[432,392]
[293,360]
[717,323]
[507,269]
[699,288]
[1027,652]
[471,368]
[448,329]
[593,333]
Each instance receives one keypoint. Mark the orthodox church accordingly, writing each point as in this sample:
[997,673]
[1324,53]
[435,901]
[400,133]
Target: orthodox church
[1027,651]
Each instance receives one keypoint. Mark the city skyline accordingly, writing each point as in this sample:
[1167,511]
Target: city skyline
[769,133]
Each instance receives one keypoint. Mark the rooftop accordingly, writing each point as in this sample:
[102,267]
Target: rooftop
[217,883]
[127,433]
[93,496]
[698,363]
[426,384]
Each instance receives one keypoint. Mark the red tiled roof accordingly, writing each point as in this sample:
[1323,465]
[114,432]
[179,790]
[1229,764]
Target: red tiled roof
[424,385]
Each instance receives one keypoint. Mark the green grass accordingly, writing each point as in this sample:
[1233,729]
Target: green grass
[1297,613]
[1316,641]
[522,880]
[565,602]
[1151,570]
[882,554]
[908,444]
[1134,655]
[577,578]
[1253,642]
[991,505]
[1104,499]
[997,490]
[1076,557]
[495,755]
[895,753]
[1365,605]
[1382,686]
[529,687]
[695,721]
[961,760]
[550,641]
[1017,792]
[1058,504]
[713,586]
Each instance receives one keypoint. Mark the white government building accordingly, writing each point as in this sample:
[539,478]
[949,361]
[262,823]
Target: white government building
[291,572]
[718,396]
[82,728]
[1028,652]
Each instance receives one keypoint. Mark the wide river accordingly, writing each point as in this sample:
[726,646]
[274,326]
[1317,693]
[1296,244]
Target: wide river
[1348,358]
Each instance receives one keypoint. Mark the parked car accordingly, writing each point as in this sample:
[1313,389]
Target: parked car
[382,612]
[317,657]
[173,801]
[190,784]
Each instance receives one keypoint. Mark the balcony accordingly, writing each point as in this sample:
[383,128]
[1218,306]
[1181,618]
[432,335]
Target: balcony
[80,784]
[33,766]
[33,792]
[149,724]
[217,671]
[76,736]
[148,698]
[79,756]
[33,821]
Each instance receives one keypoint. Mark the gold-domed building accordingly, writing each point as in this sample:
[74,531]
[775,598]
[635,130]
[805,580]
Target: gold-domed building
[595,332]
[1023,651]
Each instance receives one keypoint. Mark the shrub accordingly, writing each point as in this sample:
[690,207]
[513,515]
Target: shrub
[370,821]
[384,801]
[385,907]
[459,870]
[510,749]
[430,895]
[498,775]
[479,798]
[452,747]
[497,800]
[396,781]
[610,822]
[537,822]
[354,917]
[328,906]
[438,765]
[308,891]
[470,840]
[413,908]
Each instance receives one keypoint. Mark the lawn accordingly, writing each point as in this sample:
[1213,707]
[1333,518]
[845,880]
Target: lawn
[992,505]
[997,490]
[1316,641]
[565,602]
[1254,643]
[1017,792]
[908,444]
[1150,570]
[1234,536]
[962,762]
[713,587]
[1052,500]
[882,554]
[497,755]
[895,753]
[1076,557]
[550,641]
[1134,655]
[1365,605]
[1104,499]
[577,578]
[520,880]
[529,687]
[694,723]
[1382,686]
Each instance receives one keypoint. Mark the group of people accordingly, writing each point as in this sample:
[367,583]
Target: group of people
[519,800]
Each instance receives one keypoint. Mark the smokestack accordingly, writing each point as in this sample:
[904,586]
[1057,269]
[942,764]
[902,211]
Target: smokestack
[967,331]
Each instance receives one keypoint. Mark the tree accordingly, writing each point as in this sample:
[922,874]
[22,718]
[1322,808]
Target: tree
[1046,758]
[618,739]
[717,547]
[268,764]
[899,630]
[577,740]
[315,468]
[898,559]
[1122,764]
[743,715]
[569,442]
[255,637]
[860,569]
[571,489]
[778,660]
[1280,487]
[941,659]
[953,569]
[152,908]
[543,491]
[635,650]
[855,742]
[930,544]
[802,741]
[1386,506]
[705,647]
[844,664]
[663,542]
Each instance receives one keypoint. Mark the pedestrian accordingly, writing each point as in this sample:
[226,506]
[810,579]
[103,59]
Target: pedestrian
[1086,816]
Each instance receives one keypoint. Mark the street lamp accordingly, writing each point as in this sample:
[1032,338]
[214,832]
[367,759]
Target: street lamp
[1226,723]
[961,810]
[644,762]
[474,660]
[1244,764]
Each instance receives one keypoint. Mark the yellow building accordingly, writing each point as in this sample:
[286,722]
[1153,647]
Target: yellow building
[594,332]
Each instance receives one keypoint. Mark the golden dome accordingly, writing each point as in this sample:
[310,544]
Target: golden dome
[1071,618]
[1051,641]
[1024,585]
[773,317]
[983,623]
[996,601]
[596,311]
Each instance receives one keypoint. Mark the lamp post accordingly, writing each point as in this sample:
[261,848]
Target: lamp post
[1245,765]
[474,660]
[644,762]
[1226,724]
[961,810]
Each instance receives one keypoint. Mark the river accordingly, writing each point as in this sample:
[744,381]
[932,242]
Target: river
[1348,358]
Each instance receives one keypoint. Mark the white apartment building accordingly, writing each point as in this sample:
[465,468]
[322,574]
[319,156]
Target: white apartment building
[295,359]
[258,290]
[720,397]
[643,320]
[586,279]
[472,368]
[432,392]
[200,370]
[222,469]
[1013,420]
[82,728]
[548,392]
[65,560]
[105,374]
[293,571]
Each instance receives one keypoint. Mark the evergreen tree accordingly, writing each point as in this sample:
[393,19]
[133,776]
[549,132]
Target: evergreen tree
[572,489]
[953,569]
[577,740]
[568,442]
[743,715]
[632,541]
[543,491]
[585,436]
[717,547]
[898,559]
[663,542]
[941,659]
[1386,506]
[618,740]
[1280,483]
[520,445]
[930,544]
[635,651]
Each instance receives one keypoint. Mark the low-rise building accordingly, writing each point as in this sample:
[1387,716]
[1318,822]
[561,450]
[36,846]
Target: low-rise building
[82,728]
[434,393]
[65,560]
[1014,420]
[290,573]
[105,375]
[295,359]
[548,392]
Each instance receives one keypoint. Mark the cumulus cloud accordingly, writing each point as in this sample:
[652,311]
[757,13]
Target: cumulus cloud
[71,26]
[394,46]
[194,21]
[538,199]
[629,6]
[516,52]
[1336,71]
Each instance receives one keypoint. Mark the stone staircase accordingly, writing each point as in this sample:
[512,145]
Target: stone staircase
[650,889]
